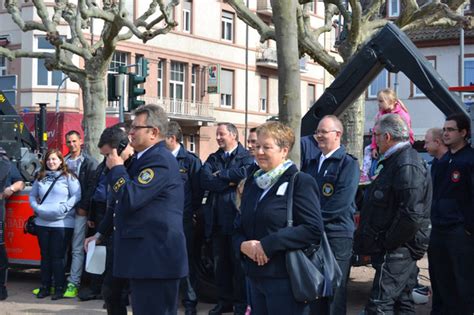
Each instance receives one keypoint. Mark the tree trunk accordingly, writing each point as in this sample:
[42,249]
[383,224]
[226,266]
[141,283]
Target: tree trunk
[289,92]
[93,98]
[353,119]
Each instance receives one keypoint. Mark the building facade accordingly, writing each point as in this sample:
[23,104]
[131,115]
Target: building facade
[209,40]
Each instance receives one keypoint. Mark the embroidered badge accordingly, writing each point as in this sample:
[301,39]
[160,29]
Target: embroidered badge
[328,189]
[455,176]
[183,170]
[378,194]
[119,183]
[146,176]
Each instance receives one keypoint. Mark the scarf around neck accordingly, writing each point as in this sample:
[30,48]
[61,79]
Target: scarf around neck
[265,180]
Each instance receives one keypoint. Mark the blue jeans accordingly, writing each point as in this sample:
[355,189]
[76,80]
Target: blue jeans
[274,296]
[53,242]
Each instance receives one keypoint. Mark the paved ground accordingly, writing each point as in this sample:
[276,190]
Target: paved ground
[21,301]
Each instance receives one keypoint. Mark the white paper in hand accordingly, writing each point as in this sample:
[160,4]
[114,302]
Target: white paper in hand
[95,259]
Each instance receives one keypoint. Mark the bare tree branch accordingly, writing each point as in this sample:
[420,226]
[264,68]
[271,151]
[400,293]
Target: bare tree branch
[251,19]
[12,8]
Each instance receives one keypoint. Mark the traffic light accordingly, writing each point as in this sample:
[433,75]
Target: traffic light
[134,91]
[111,94]
[144,64]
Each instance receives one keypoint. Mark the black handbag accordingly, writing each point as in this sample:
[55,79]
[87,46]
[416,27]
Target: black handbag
[314,271]
[30,225]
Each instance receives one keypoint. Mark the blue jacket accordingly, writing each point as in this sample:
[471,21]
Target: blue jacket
[189,167]
[453,189]
[220,208]
[56,210]
[338,180]
[309,151]
[266,219]
[148,217]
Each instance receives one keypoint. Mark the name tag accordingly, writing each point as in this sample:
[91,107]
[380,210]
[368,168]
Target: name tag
[282,189]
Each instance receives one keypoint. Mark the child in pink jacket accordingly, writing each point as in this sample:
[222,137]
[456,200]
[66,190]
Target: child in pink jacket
[388,104]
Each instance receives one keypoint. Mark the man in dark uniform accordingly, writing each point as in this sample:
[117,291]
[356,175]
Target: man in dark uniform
[337,175]
[451,250]
[189,166]
[220,175]
[10,183]
[114,289]
[395,219]
[149,242]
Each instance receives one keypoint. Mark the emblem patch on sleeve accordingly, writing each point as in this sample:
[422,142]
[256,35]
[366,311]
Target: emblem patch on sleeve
[328,189]
[146,176]
[119,183]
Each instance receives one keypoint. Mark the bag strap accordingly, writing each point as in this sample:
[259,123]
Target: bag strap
[49,189]
[289,200]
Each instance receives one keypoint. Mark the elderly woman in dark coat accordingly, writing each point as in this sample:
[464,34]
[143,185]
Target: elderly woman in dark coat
[261,234]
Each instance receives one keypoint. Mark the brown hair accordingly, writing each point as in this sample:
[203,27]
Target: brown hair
[283,135]
[63,168]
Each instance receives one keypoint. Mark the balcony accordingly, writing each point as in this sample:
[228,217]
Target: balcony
[267,57]
[184,109]
[264,7]
[178,109]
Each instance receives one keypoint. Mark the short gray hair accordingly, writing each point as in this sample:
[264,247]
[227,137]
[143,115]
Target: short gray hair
[231,129]
[395,126]
[155,117]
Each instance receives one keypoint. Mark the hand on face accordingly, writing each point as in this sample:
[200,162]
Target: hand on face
[113,159]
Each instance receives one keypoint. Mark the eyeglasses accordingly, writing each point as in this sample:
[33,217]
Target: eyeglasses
[449,129]
[324,132]
[135,128]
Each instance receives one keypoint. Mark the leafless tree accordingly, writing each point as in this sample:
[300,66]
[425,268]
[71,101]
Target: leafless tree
[118,26]
[361,19]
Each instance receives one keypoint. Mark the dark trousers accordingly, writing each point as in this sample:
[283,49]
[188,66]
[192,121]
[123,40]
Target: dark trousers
[154,296]
[114,290]
[451,267]
[230,278]
[53,242]
[394,280]
[274,296]
[187,285]
[336,305]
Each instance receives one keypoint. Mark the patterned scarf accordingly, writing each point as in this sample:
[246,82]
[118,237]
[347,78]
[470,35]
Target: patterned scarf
[268,179]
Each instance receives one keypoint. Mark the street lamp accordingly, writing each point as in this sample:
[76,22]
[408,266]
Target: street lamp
[57,92]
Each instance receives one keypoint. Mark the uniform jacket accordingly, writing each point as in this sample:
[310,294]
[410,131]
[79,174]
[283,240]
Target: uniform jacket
[101,170]
[453,189]
[338,180]
[265,220]
[189,169]
[86,179]
[396,209]
[309,151]
[220,208]
[148,217]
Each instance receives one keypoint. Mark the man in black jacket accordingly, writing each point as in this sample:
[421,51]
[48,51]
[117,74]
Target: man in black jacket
[84,166]
[220,175]
[189,167]
[395,219]
[451,251]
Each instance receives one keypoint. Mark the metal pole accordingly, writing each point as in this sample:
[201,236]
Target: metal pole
[57,93]
[246,79]
[42,135]
[122,103]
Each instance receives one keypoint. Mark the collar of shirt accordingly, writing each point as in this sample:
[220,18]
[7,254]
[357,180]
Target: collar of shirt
[176,151]
[324,157]
[139,154]
[228,153]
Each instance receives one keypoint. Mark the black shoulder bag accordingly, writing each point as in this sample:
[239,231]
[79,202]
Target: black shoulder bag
[30,225]
[313,271]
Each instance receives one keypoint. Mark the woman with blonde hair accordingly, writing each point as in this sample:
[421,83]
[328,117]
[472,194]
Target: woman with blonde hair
[262,236]
[53,197]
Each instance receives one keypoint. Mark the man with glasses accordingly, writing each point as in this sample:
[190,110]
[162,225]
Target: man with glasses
[394,226]
[149,242]
[337,175]
[451,250]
